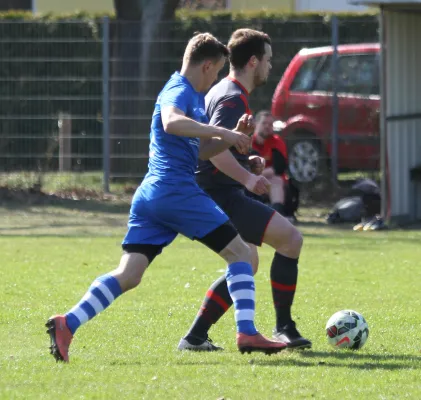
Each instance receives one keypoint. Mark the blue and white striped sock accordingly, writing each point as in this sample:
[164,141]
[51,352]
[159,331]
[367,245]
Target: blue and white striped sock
[103,291]
[240,282]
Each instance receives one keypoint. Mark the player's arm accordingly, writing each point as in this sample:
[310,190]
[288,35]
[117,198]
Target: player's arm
[212,147]
[176,123]
[227,163]
[227,114]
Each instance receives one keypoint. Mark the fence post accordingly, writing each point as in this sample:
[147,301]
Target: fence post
[106,103]
[335,102]
[64,142]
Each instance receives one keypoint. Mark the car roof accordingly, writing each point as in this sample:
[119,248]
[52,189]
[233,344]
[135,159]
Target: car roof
[343,48]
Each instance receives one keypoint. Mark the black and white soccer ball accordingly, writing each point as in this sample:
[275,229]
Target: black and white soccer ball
[347,329]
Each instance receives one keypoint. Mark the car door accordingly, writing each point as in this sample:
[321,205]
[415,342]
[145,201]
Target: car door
[305,103]
[358,108]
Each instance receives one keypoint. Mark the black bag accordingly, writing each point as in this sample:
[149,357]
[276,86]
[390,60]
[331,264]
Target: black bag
[363,203]
[349,209]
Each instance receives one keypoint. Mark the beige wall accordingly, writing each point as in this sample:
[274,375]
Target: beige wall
[65,6]
[257,5]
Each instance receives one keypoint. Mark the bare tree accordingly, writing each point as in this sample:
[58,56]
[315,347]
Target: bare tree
[15,5]
[133,35]
[203,4]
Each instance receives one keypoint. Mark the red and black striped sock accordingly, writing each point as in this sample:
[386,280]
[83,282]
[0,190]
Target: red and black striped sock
[283,275]
[216,303]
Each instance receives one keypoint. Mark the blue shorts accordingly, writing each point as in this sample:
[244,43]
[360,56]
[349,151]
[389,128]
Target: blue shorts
[161,210]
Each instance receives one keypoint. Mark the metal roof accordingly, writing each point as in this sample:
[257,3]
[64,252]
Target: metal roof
[385,2]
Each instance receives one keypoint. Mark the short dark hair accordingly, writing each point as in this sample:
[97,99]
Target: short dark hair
[263,114]
[204,46]
[246,43]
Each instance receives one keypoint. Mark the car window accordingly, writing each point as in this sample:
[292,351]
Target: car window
[357,74]
[306,75]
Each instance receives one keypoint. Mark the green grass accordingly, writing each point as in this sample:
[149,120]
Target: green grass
[57,182]
[66,181]
[50,255]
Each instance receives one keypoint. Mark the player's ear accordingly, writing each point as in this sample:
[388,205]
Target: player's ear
[253,61]
[206,66]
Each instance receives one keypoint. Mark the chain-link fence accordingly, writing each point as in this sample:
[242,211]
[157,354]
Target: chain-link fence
[78,96]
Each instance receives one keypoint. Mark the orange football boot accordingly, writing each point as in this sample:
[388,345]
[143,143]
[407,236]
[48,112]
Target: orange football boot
[60,337]
[253,343]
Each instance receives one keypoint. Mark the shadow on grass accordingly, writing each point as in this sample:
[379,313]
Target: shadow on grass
[345,355]
[326,364]
[111,207]
[330,360]
[348,359]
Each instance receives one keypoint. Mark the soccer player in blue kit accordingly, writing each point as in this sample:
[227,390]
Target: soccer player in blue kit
[169,202]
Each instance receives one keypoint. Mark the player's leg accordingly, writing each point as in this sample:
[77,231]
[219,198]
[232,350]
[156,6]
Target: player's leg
[217,299]
[256,223]
[287,242]
[216,302]
[277,193]
[200,218]
[240,285]
[104,290]
[223,294]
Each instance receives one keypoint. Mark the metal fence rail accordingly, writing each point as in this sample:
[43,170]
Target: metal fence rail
[76,97]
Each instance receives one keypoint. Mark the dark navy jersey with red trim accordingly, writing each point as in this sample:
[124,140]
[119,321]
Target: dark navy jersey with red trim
[226,102]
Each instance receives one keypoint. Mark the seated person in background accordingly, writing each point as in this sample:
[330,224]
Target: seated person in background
[283,196]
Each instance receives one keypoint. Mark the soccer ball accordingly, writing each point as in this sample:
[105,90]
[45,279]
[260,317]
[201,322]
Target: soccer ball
[347,329]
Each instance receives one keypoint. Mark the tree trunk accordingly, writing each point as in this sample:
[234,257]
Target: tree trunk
[132,98]
[15,5]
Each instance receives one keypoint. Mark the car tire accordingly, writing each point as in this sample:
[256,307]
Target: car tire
[307,160]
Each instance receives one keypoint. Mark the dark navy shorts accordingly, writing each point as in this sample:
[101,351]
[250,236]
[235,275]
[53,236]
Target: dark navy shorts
[251,217]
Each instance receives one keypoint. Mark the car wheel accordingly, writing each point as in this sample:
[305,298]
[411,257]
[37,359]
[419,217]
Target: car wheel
[305,159]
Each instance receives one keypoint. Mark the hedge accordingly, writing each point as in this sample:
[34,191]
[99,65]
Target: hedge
[28,73]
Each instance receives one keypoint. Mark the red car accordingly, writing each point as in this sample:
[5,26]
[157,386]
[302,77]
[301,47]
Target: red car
[302,107]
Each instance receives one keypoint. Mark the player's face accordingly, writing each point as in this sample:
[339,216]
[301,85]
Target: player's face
[264,67]
[211,71]
[265,127]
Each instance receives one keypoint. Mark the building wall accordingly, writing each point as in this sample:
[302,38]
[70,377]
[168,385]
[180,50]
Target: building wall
[258,5]
[63,6]
[327,5]
[403,96]
[67,6]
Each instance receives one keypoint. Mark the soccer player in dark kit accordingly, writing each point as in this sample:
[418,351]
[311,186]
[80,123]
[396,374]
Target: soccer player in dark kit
[225,178]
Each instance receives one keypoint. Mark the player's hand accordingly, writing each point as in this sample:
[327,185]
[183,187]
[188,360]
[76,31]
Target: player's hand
[239,140]
[258,185]
[246,125]
[257,164]
[268,173]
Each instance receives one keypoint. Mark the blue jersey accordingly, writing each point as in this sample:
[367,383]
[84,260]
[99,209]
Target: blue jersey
[174,157]
[169,201]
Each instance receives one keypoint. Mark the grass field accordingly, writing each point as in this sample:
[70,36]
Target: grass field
[51,254]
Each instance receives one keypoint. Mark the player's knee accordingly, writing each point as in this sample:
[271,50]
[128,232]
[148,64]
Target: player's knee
[276,180]
[237,251]
[254,259]
[284,237]
[255,264]
[296,239]
[130,271]
[242,253]
[291,245]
